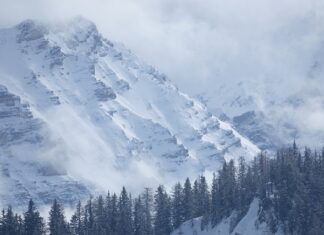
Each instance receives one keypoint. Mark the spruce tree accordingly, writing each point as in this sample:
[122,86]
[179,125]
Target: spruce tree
[19,225]
[215,216]
[187,202]
[33,223]
[148,204]
[113,214]
[196,207]
[108,210]
[139,217]
[57,224]
[177,209]
[162,221]
[76,224]
[11,223]
[124,218]
[89,217]
[242,201]
[99,217]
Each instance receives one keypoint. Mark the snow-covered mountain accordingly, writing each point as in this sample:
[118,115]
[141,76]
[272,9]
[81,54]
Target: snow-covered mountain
[78,112]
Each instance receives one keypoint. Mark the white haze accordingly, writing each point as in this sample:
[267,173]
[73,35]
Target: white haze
[200,44]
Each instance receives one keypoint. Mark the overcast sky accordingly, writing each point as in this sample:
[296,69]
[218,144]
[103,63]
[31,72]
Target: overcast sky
[200,44]
[194,41]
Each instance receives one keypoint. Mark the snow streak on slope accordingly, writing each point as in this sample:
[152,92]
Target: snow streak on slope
[105,117]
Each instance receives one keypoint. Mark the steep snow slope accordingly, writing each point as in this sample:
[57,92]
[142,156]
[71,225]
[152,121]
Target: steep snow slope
[248,225]
[91,114]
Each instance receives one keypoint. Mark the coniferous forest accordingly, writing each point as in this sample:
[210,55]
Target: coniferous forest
[289,186]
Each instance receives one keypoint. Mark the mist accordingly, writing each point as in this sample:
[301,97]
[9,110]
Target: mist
[275,47]
[195,42]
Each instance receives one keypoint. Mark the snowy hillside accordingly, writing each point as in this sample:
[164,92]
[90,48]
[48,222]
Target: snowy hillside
[248,225]
[78,111]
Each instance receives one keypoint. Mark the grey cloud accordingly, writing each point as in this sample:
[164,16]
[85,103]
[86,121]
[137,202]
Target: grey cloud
[201,44]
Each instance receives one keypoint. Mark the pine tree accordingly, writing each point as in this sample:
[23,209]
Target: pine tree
[148,201]
[215,216]
[57,224]
[124,221]
[33,223]
[187,201]
[113,214]
[108,214]
[204,195]
[196,207]
[162,222]
[177,206]
[139,217]
[9,222]
[231,185]
[89,218]
[76,224]
[19,225]
[242,201]
[2,222]
[99,217]
[201,199]
[222,193]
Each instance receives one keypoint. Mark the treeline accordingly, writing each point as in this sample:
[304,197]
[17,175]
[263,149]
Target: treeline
[290,188]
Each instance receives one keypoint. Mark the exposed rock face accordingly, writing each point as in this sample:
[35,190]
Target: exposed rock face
[103,92]
[17,122]
[56,56]
[29,31]
[22,175]
[254,126]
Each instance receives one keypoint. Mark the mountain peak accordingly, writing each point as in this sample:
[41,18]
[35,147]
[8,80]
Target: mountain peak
[79,25]
[82,22]
[30,30]
[77,29]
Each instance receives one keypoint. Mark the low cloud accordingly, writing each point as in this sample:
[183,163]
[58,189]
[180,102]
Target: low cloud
[272,45]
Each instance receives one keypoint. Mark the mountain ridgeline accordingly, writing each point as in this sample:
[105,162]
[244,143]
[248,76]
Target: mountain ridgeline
[289,189]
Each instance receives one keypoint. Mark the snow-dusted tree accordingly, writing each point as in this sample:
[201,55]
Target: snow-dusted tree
[139,217]
[33,223]
[57,224]
[177,209]
[187,201]
[76,223]
[148,207]
[162,221]
[124,218]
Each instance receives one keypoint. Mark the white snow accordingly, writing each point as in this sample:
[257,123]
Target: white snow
[248,225]
[108,119]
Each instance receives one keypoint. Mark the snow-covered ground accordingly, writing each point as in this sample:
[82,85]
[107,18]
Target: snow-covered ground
[248,225]
[96,117]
